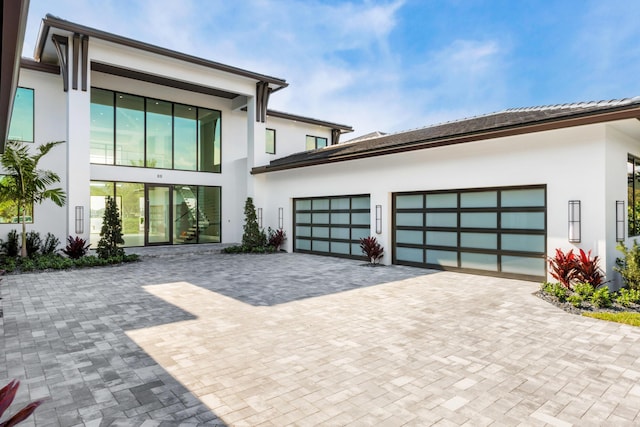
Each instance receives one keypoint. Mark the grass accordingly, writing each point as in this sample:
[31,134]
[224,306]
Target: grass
[625,317]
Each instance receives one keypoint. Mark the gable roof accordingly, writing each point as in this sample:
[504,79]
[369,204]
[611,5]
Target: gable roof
[500,124]
[53,22]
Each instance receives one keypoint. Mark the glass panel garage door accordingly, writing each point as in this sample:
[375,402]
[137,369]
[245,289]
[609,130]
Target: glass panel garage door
[332,225]
[496,231]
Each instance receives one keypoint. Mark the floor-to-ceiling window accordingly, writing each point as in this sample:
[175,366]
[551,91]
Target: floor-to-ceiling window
[22,123]
[159,134]
[129,130]
[159,213]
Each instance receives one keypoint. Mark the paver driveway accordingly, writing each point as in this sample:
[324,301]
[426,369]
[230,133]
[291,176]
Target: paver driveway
[292,339]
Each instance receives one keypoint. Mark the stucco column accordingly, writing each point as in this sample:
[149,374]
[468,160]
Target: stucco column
[78,159]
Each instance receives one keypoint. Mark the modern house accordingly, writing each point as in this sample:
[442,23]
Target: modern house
[181,141]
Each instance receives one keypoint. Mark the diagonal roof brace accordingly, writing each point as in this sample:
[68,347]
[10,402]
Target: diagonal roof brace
[263,91]
[62,49]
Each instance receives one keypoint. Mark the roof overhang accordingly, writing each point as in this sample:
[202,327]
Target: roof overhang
[309,120]
[14,23]
[45,50]
[623,113]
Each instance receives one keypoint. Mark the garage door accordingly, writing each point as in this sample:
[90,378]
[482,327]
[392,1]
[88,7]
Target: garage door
[332,225]
[496,231]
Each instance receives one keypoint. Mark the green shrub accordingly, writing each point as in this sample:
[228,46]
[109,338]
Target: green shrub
[629,265]
[252,236]
[27,264]
[627,297]
[601,297]
[576,300]
[111,232]
[11,245]
[49,245]
[584,290]
[33,242]
[9,264]
[557,290]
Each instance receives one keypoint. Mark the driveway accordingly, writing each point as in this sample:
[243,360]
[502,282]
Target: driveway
[194,337]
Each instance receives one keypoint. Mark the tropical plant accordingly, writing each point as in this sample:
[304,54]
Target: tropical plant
[49,245]
[628,297]
[601,298]
[252,236]
[7,394]
[563,267]
[276,237]
[33,242]
[583,289]
[111,232]
[11,245]
[372,249]
[629,265]
[556,289]
[76,247]
[25,184]
[587,269]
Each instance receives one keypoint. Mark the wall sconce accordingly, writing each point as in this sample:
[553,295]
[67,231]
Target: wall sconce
[79,219]
[620,220]
[574,221]
[280,218]
[378,219]
[259,217]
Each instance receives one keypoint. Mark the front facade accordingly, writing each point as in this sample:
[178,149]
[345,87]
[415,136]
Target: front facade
[180,142]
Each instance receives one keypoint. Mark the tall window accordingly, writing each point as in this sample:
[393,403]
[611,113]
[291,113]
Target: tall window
[159,134]
[270,141]
[633,201]
[185,131]
[131,130]
[102,126]
[314,142]
[209,140]
[21,126]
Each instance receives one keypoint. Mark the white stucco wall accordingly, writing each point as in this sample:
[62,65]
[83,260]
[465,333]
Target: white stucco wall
[569,161]
[50,122]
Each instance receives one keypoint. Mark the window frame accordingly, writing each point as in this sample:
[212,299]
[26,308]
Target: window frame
[316,139]
[633,186]
[197,141]
[266,146]
[33,115]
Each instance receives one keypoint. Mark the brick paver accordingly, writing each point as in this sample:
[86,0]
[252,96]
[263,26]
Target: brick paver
[194,337]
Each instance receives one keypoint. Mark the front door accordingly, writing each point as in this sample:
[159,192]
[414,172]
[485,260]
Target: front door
[158,230]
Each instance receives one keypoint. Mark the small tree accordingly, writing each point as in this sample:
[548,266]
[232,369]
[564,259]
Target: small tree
[252,237]
[24,184]
[111,232]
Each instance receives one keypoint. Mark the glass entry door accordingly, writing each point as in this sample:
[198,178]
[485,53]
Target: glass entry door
[158,230]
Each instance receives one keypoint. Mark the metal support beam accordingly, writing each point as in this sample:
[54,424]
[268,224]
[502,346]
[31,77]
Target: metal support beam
[85,61]
[76,56]
[335,136]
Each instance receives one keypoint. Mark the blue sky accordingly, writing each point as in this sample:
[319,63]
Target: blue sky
[392,65]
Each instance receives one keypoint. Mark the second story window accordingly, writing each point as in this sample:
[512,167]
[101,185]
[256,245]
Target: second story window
[270,141]
[130,130]
[314,142]
[21,126]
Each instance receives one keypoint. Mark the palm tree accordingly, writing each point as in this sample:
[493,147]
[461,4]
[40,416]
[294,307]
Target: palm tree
[24,184]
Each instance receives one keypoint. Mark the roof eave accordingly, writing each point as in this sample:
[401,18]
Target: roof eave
[14,23]
[620,113]
[51,21]
[309,120]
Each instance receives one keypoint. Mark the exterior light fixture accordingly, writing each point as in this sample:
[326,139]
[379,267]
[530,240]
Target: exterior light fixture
[79,219]
[620,220]
[574,221]
[280,218]
[259,217]
[378,219]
